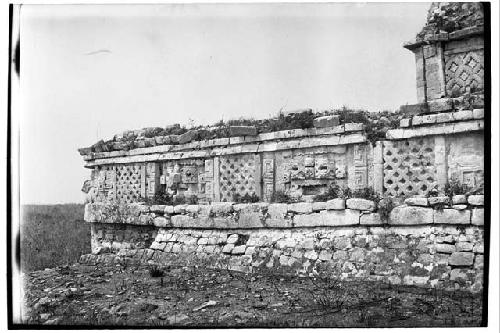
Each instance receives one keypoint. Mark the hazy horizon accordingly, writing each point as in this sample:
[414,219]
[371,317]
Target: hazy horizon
[91,71]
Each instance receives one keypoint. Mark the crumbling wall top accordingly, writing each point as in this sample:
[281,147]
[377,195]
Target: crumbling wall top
[450,21]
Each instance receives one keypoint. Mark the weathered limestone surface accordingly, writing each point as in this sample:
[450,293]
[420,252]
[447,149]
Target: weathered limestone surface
[361,204]
[452,216]
[410,215]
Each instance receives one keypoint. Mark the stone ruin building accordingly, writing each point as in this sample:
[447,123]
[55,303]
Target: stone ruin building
[260,197]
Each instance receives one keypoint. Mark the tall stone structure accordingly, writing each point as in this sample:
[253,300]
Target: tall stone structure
[430,168]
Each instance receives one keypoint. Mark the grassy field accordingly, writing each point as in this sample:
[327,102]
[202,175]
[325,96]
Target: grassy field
[52,235]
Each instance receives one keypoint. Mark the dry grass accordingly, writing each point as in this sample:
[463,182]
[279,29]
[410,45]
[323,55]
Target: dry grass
[52,235]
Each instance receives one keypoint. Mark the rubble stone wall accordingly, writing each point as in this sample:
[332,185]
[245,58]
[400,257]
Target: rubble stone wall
[418,243]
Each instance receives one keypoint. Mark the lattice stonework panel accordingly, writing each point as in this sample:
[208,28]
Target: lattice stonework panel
[409,167]
[464,70]
[128,182]
[236,176]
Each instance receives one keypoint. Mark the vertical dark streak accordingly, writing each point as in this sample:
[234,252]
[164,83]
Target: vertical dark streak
[9,175]
[487,156]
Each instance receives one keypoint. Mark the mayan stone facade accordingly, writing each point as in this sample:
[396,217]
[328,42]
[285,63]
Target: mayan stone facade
[430,235]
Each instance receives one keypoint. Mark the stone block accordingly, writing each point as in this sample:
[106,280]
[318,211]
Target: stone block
[277,210]
[464,246]
[169,210]
[325,243]
[371,219]
[428,119]
[161,222]
[361,204]
[478,248]
[459,207]
[417,120]
[222,208]
[417,201]
[300,208]
[478,113]
[318,206]
[339,217]
[353,127]
[445,248]
[476,200]
[452,216]
[406,122]
[461,259]
[239,249]
[232,239]
[463,115]
[440,105]
[278,222]
[325,255]
[335,204]
[477,216]
[308,243]
[85,151]
[250,220]
[228,248]
[326,121]
[242,130]
[159,209]
[411,215]
[308,220]
[205,210]
[444,118]
[285,243]
[192,209]
[415,280]
[184,221]
[479,262]
[458,274]
[312,255]
[438,200]
[459,199]
[180,209]
[145,219]
[188,136]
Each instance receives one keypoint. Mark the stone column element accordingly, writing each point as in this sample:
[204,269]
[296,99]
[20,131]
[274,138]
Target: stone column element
[152,179]
[258,175]
[209,180]
[440,160]
[358,169]
[143,180]
[378,167]
[268,178]
[216,182]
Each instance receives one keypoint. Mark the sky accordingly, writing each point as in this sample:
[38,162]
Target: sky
[91,71]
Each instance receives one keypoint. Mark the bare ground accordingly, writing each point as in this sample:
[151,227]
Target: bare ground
[201,297]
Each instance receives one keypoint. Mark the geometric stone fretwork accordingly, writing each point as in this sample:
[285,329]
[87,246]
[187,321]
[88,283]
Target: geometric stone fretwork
[128,183]
[464,70]
[236,176]
[409,167]
[104,180]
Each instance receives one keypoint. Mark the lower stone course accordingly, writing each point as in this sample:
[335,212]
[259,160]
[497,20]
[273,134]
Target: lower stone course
[442,256]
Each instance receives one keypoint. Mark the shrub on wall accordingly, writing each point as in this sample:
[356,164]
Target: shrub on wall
[247,198]
[455,187]
[281,197]
[385,206]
